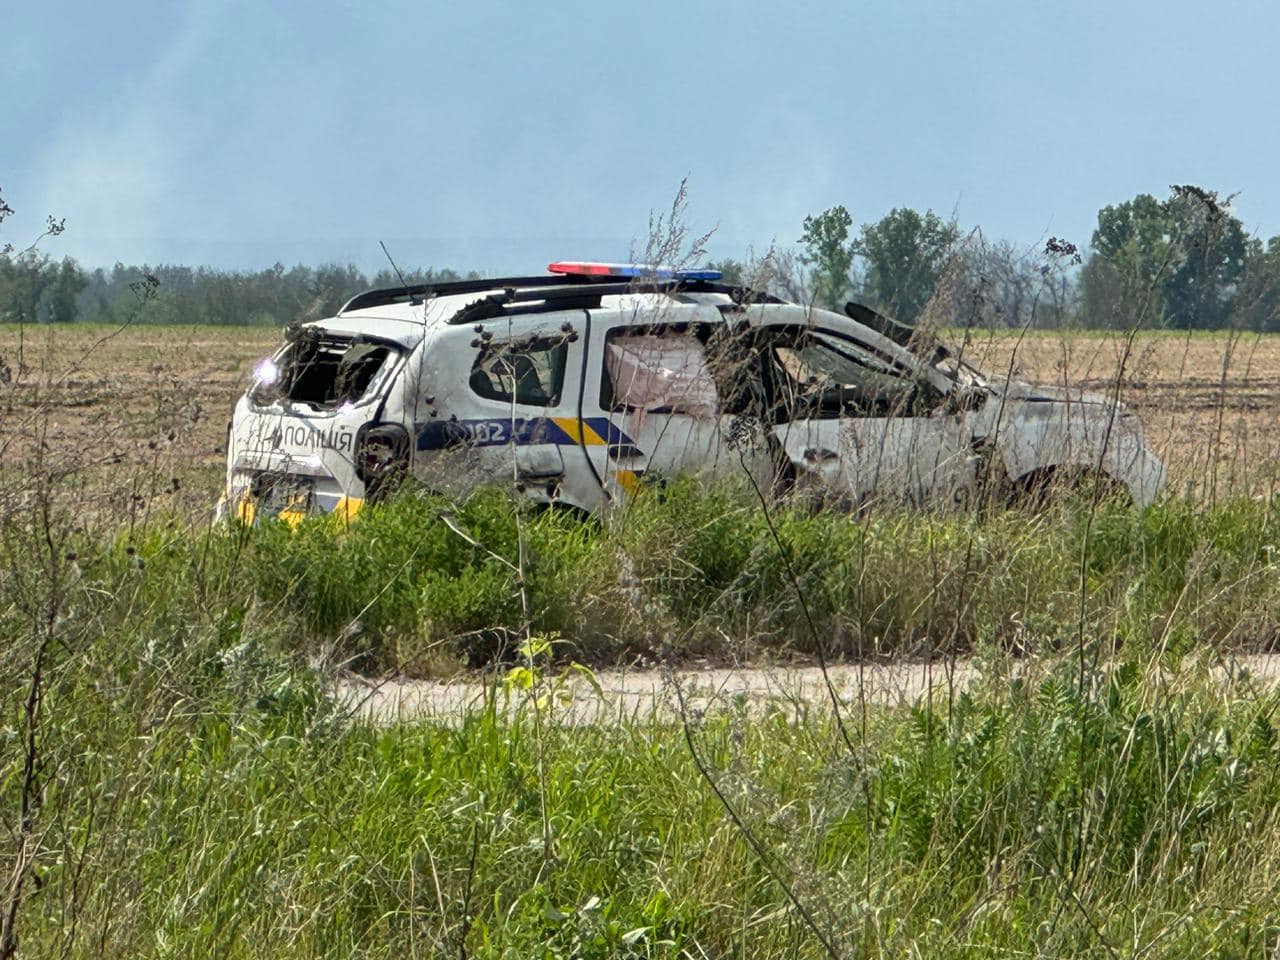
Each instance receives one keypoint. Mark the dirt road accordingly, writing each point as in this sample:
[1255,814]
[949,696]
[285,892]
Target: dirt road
[610,696]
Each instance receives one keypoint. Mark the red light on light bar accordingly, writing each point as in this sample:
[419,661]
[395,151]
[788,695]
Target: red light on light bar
[639,271]
[583,269]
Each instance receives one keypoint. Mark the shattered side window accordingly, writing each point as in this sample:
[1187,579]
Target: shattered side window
[818,376]
[532,374]
[734,358]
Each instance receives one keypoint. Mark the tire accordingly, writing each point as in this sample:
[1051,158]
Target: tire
[1050,486]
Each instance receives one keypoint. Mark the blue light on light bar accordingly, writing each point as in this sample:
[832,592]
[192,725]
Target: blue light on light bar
[583,268]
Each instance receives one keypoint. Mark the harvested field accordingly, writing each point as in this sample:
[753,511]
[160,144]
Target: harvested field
[142,411]
[155,401]
[1210,401]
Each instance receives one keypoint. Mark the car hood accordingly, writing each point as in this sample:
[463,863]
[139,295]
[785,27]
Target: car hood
[1047,393]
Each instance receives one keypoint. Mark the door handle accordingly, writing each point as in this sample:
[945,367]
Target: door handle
[624,451]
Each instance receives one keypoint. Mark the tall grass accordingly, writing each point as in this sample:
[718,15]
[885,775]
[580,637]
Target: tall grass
[696,572]
[205,799]
[195,792]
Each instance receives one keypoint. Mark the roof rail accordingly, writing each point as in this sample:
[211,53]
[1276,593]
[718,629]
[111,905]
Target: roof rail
[423,291]
[560,287]
[576,295]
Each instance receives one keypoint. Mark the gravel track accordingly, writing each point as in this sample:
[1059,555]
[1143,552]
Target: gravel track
[651,694]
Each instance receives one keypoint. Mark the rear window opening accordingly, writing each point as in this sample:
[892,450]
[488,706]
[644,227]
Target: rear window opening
[325,371]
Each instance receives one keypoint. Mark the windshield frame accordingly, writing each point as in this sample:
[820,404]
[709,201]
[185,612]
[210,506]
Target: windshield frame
[262,395]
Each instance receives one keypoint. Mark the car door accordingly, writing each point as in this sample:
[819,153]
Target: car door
[505,411]
[657,402]
[862,428]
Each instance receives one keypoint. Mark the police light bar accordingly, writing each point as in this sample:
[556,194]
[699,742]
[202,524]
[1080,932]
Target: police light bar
[583,268]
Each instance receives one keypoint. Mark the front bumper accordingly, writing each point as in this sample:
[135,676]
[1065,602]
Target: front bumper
[254,496]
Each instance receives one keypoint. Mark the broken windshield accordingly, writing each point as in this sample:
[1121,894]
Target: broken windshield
[324,371]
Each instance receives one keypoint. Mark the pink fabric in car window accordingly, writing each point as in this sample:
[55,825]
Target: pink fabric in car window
[669,373]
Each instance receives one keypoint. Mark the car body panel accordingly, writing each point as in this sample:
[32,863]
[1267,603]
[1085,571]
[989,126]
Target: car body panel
[916,461]
[1037,430]
[526,395]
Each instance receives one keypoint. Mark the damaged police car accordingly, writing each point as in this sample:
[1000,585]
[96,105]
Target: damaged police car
[582,386]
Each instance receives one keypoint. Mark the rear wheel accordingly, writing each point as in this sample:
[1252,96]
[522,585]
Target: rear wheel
[1053,485]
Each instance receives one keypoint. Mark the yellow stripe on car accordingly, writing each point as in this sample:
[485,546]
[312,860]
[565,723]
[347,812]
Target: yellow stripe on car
[628,480]
[291,517]
[585,435]
[347,508]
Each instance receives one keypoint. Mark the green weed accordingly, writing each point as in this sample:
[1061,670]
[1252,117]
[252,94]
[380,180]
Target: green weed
[198,792]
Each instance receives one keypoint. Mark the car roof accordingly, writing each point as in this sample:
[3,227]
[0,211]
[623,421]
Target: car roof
[400,315]
[404,330]
[405,314]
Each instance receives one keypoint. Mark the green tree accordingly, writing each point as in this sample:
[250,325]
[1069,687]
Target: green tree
[731,271]
[1171,263]
[828,252]
[331,286]
[905,254]
[1256,304]
[35,289]
[58,305]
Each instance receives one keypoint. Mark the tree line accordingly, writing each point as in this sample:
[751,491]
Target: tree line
[39,289]
[1182,262]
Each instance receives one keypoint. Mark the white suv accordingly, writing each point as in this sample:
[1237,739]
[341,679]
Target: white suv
[583,385]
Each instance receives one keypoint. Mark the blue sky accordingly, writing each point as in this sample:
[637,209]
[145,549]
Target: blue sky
[498,136]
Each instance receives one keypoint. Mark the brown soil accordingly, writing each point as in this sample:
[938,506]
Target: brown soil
[138,417]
